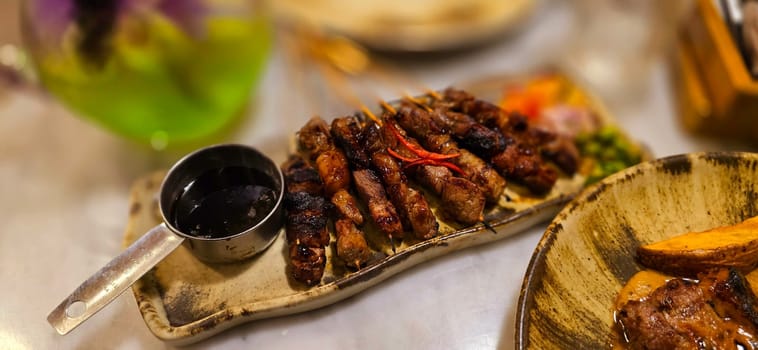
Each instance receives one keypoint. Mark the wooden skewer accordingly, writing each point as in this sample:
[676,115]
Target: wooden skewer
[417,102]
[434,94]
[387,107]
[487,225]
[371,116]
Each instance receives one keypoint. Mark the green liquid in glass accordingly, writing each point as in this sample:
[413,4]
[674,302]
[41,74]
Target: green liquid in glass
[160,85]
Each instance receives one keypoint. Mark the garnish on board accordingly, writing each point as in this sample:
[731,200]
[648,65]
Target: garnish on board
[552,102]
[425,157]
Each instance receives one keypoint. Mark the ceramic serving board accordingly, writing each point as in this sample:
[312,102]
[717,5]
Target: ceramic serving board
[184,300]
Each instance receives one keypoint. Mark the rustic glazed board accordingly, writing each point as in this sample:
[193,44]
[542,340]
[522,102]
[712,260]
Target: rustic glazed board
[184,300]
[588,252]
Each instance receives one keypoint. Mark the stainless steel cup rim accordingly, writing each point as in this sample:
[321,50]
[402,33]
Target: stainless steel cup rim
[165,196]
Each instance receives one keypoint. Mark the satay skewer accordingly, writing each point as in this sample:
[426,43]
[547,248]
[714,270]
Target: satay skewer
[410,203]
[331,163]
[367,182]
[306,215]
[522,159]
[461,199]
[419,123]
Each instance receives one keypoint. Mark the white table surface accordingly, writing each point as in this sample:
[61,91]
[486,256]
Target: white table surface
[64,186]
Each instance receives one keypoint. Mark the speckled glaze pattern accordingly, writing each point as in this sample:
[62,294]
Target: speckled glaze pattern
[184,300]
[588,251]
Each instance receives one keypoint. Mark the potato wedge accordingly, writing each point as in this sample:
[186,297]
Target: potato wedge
[687,254]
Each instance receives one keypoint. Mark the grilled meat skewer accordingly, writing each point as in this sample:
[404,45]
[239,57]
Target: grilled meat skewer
[333,169]
[367,183]
[411,204]
[557,148]
[347,206]
[522,160]
[470,134]
[306,216]
[461,200]
[420,124]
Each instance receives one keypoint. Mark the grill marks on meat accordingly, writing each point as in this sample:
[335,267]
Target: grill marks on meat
[351,156]
[470,134]
[347,132]
[331,162]
[334,171]
[419,123]
[347,206]
[522,160]
[306,217]
[382,211]
[717,313]
[461,200]
[412,206]
[732,296]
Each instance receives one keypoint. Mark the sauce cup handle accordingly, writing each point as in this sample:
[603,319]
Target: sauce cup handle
[114,278]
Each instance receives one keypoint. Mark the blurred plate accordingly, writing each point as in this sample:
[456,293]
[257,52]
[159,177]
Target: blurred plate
[409,25]
[588,252]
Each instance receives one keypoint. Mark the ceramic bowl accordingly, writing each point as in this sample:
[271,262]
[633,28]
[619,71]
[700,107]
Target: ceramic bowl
[588,251]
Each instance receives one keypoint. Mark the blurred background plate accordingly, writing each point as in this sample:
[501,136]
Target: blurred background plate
[409,26]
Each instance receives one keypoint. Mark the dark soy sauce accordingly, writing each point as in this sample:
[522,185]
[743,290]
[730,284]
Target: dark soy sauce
[224,202]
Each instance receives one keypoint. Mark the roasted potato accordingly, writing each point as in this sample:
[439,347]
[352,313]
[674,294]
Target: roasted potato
[687,254]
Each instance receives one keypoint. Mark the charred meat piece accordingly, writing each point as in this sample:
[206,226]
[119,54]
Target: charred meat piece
[314,139]
[681,315]
[348,136]
[347,207]
[731,296]
[333,171]
[410,203]
[307,263]
[563,153]
[347,133]
[331,162]
[521,164]
[461,199]
[333,168]
[301,177]
[306,217]
[382,211]
[419,123]
[470,134]
[521,161]
[351,245]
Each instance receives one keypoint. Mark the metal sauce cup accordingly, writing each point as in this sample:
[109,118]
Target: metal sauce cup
[121,272]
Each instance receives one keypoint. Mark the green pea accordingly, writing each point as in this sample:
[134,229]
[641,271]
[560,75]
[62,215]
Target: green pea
[607,134]
[609,153]
[614,167]
[593,148]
